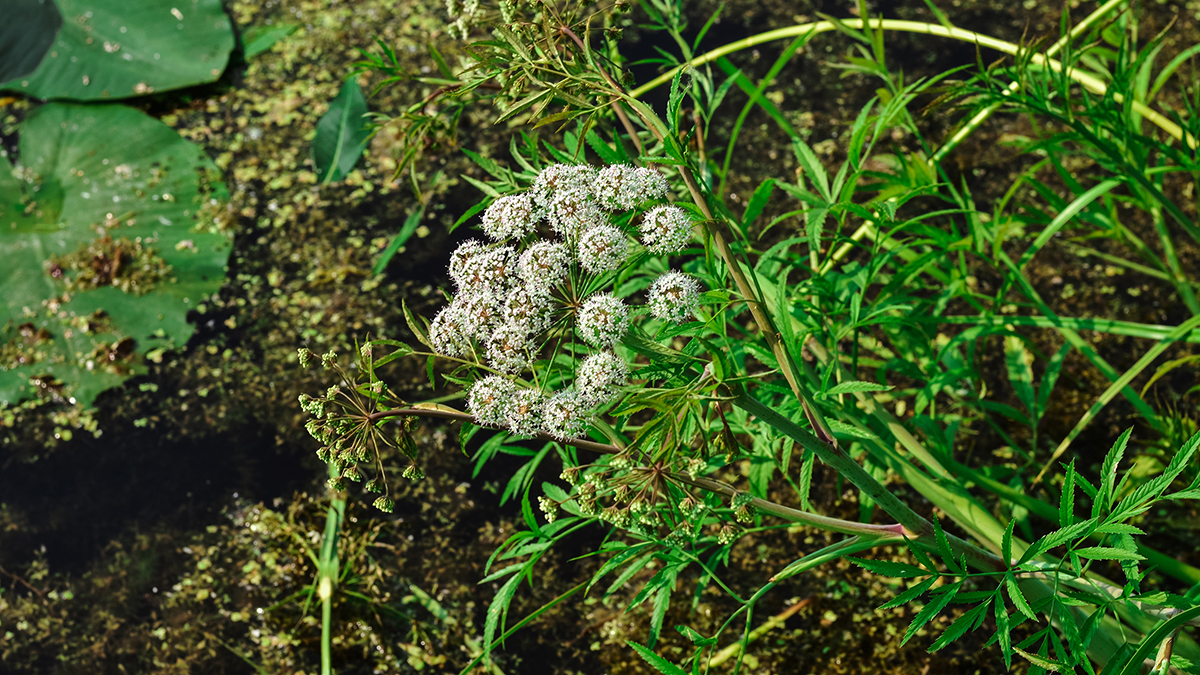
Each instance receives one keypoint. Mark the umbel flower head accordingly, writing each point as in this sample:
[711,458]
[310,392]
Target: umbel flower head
[624,187]
[674,296]
[600,377]
[666,229]
[510,217]
[528,307]
[603,320]
[523,412]
[603,248]
[561,181]
[488,400]
[544,264]
[449,332]
[565,415]
[508,348]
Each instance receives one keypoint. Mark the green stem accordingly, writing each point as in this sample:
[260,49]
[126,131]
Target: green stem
[327,574]
[1091,82]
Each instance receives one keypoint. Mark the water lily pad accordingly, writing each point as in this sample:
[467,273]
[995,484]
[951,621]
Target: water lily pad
[108,49]
[26,35]
[101,256]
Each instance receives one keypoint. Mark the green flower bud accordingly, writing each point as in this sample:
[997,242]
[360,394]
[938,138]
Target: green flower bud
[414,473]
[351,473]
[385,504]
[570,475]
[744,514]
[337,484]
[374,485]
[742,499]
[305,356]
[727,536]
[548,507]
[328,359]
[324,453]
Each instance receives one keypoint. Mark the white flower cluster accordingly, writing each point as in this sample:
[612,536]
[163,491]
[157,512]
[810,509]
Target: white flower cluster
[674,297]
[509,293]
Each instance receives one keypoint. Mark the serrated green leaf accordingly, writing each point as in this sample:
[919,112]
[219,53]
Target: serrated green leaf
[931,610]
[1018,598]
[888,568]
[855,386]
[910,594]
[1107,553]
[958,628]
[657,662]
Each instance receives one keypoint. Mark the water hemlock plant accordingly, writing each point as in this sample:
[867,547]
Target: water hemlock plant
[626,321]
[103,249]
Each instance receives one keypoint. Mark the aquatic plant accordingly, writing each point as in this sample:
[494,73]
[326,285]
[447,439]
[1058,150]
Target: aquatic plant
[114,49]
[772,373]
[104,249]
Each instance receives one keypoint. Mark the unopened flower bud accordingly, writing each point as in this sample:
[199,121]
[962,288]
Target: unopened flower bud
[305,356]
[374,485]
[548,507]
[385,504]
[570,475]
[727,535]
[351,473]
[336,484]
[413,472]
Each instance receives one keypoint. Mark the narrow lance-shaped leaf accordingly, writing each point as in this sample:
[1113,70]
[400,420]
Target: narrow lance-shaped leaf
[342,134]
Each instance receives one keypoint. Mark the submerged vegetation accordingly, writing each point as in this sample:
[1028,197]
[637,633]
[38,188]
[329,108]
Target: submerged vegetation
[849,377]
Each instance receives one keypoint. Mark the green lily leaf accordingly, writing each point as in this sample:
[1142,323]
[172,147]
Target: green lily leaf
[110,49]
[26,35]
[100,255]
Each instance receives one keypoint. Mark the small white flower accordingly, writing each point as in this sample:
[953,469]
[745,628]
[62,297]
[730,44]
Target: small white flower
[510,217]
[674,297]
[600,377]
[481,312]
[489,398]
[561,180]
[603,320]
[565,415]
[528,307]
[476,268]
[571,215]
[523,412]
[603,249]
[449,333]
[508,348]
[461,259]
[666,229]
[623,187]
[544,264]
